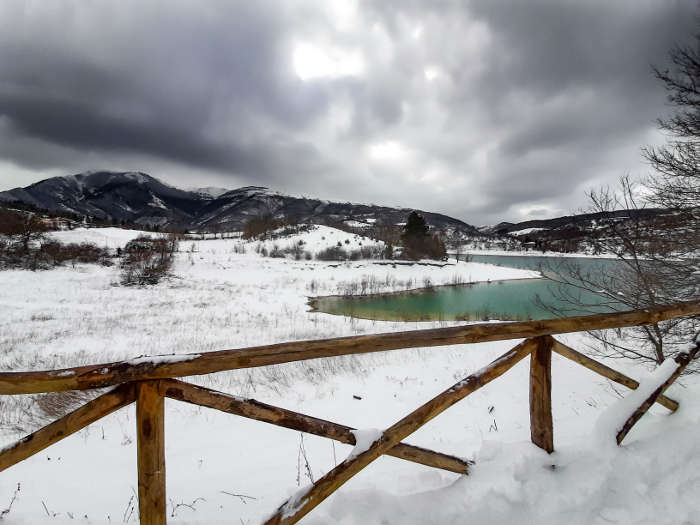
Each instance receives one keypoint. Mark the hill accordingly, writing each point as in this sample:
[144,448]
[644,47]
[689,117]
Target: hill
[136,197]
[575,232]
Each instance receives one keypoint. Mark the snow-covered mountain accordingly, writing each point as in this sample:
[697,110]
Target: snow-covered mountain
[211,192]
[577,232]
[139,198]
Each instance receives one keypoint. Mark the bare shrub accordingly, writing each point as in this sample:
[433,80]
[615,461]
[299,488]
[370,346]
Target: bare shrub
[332,253]
[85,252]
[367,252]
[276,252]
[457,279]
[146,260]
[21,227]
[23,247]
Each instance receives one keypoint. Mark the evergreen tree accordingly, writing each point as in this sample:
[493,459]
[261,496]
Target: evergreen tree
[417,241]
[415,227]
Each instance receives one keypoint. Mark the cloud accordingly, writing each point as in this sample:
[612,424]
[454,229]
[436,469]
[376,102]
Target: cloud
[482,110]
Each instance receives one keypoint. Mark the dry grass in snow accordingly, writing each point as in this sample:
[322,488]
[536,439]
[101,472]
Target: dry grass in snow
[224,469]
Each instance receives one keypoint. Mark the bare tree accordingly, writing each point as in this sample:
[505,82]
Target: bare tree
[22,227]
[650,268]
[676,178]
[658,257]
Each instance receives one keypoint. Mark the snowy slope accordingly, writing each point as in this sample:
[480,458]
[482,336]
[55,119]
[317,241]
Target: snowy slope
[102,237]
[225,469]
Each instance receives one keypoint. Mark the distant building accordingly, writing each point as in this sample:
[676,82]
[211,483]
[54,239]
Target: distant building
[57,223]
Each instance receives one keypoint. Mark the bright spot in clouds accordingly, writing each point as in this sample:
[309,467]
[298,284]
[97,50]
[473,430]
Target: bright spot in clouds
[431,73]
[389,150]
[311,61]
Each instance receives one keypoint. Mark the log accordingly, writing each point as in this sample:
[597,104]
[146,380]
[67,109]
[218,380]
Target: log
[253,409]
[161,367]
[683,360]
[297,507]
[150,432]
[541,427]
[69,424]
[606,371]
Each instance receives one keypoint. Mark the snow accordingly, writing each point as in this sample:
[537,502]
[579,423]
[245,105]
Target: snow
[612,420]
[220,298]
[530,253]
[295,502]
[320,238]
[162,359]
[356,224]
[210,191]
[103,237]
[155,201]
[364,438]
[526,231]
[64,373]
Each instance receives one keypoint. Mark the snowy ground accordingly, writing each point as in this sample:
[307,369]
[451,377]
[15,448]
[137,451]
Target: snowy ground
[530,253]
[225,469]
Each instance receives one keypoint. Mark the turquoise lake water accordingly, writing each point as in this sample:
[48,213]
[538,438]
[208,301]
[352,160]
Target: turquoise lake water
[512,300]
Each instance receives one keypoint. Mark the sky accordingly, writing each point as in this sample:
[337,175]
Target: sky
[484,110]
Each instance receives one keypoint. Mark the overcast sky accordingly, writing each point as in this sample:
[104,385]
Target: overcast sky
[483,110]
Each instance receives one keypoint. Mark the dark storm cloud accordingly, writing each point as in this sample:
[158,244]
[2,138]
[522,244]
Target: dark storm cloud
[526,105]
[573,79]
[83,125]
[204,90]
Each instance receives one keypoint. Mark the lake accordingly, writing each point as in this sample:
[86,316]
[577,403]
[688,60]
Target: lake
[513,300]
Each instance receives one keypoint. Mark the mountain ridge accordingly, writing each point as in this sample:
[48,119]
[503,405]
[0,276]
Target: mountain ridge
[137,197]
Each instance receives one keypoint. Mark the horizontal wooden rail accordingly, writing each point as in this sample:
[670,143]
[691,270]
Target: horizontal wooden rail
[253,409]
[606,371]
[95,376]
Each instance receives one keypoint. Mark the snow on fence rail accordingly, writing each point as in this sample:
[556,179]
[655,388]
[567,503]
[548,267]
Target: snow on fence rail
[147,381]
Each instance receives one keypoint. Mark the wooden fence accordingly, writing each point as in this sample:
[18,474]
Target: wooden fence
[147,381]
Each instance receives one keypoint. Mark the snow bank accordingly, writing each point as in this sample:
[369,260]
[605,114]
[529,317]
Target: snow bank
[364,438]
[319,238]
[611,421]
[220,298]
[103,237]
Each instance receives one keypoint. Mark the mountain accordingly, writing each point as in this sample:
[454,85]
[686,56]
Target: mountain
[568,225]
[121,196]
[210,192]
[139,198]
[573,233]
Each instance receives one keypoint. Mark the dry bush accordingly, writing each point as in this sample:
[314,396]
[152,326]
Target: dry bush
[146,260]
[332,253]
[56,253]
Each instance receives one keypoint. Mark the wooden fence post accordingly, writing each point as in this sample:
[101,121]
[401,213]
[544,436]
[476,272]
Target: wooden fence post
[150,431]
[541,428]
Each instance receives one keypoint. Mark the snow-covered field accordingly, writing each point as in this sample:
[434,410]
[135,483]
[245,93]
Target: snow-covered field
[226,469]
